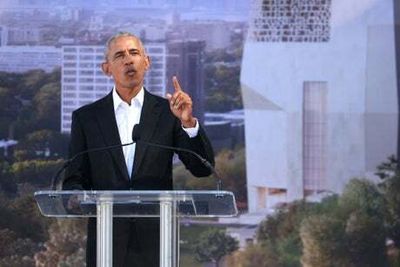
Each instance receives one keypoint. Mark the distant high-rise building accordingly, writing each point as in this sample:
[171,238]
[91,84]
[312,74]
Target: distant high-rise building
[216,34]
[185,60]
[396,7]
[96,22]
[23,36]
[3,35]
[84,82]
[319,90]
[25,58]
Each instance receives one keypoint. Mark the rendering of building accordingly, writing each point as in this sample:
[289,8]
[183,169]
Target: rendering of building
[83,81]
[319,89]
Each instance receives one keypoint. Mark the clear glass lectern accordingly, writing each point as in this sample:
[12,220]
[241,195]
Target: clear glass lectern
[168,205]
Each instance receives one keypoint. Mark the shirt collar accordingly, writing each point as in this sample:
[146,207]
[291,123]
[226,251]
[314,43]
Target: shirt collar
[118,101]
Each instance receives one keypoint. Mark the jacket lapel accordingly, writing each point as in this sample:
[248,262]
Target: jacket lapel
[148,121]
[108,126]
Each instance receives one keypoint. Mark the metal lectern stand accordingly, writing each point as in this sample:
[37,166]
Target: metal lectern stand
[168,205]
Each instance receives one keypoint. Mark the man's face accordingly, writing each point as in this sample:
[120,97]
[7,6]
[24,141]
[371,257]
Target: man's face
[127,63]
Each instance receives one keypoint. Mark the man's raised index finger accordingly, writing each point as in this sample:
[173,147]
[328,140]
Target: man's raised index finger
[176,84]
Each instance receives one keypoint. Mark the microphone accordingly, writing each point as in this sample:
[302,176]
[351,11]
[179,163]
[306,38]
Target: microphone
[54,180]
[136,138]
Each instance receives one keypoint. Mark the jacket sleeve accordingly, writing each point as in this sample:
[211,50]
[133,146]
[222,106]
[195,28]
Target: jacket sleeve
[199,144]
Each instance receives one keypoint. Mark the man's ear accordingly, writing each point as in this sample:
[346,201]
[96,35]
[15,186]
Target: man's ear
[148,62]
[105,68]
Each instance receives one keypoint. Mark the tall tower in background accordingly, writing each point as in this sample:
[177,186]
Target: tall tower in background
[319,89]
[396,7]
[3,35]
[185,60]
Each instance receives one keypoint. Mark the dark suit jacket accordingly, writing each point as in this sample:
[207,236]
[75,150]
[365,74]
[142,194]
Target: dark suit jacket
[95,126]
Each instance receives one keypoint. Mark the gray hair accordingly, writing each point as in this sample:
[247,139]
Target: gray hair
[118,35]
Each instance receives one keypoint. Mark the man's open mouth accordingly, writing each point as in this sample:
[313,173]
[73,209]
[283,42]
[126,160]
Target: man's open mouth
[130,72]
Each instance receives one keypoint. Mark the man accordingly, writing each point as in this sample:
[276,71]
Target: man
[110,121]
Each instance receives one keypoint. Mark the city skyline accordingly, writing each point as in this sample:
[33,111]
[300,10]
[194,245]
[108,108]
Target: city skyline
[230,10]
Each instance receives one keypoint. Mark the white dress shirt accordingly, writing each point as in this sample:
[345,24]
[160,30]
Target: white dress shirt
[127,115]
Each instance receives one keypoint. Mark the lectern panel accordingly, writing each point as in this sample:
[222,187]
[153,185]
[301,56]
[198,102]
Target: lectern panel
[136,203]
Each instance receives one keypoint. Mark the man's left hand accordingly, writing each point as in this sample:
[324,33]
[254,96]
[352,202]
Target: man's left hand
[181,105]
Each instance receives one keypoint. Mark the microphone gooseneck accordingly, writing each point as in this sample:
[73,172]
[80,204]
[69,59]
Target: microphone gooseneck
[54,180]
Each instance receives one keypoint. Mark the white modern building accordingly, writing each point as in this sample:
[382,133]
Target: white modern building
[24,58]
[319,89]
[82,80]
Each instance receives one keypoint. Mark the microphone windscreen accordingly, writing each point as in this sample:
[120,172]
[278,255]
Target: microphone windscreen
[136,133]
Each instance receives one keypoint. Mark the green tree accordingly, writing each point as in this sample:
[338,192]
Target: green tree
[213,245]
[42,144]
[31,102]
[66,244]
[30,82]
[260,256]
[279,233]
[7,183]
[9,109]
[23,211]
[366,249]
[220,55]
[323,239]
[223,91]
[364,207]
[362,195]
[289,250]
[342,237]
[231,166]
[35,172]
[389,174]
[16,252]
[22,230]
[9,79]
[47,106]
[222,73]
